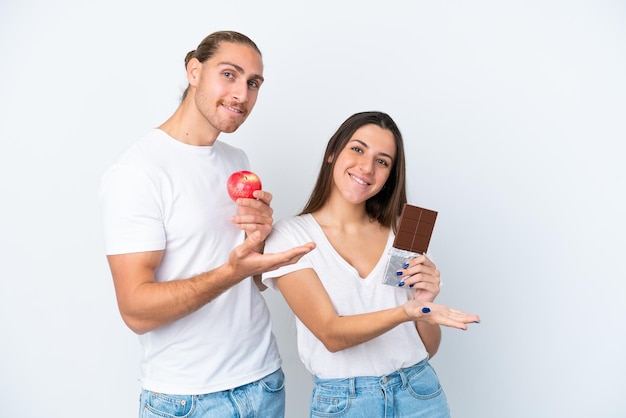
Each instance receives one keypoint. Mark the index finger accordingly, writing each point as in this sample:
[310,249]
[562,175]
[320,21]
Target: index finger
[423,259]
[262,195]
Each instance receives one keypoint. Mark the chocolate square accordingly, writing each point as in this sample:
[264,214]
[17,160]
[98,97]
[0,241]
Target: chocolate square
[415,229]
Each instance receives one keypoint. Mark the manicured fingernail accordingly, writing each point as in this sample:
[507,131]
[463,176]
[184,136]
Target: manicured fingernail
[412,284]
[405,266]
[477,322]
[400,284]
[425,309]
[398,273]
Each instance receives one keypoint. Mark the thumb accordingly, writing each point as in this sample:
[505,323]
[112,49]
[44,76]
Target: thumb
[253,239]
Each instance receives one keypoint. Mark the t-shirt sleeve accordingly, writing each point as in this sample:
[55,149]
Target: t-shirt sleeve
[132,213]
[281,239]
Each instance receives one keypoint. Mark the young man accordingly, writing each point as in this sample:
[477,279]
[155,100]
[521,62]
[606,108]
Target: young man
[183,255]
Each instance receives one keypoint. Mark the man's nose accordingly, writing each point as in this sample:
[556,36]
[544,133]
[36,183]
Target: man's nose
[240,92]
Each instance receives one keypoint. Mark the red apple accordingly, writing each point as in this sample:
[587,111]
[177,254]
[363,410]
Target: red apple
[242,184]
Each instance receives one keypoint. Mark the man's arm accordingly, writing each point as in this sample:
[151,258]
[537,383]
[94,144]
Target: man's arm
[255,215]
[146,304]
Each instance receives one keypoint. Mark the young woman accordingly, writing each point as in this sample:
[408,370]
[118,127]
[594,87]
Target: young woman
[366,343]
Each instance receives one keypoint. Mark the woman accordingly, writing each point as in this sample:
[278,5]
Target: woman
[366,343]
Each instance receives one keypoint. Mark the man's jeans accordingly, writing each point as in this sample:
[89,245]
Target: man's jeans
[264,398]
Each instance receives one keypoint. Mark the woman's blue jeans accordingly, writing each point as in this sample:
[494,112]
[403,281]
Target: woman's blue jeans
[413,392]
[263,398]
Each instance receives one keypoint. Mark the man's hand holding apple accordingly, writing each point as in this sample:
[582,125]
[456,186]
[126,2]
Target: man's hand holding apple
[255,214]
[253,204]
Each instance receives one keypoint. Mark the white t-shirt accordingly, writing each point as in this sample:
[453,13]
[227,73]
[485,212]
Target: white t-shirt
[350,295]
[163,194]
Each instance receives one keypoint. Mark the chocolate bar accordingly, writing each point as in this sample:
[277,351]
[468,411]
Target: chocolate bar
[412,239]
[415,229]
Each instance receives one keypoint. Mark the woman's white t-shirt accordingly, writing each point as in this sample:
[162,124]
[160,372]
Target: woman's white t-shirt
[351,295]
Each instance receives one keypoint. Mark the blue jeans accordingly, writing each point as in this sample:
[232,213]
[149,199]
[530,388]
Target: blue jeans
[263,398]
[411,392]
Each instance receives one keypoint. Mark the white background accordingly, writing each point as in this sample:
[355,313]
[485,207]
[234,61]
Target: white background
[514,117]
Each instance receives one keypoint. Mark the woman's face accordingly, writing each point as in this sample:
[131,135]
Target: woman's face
[364,165]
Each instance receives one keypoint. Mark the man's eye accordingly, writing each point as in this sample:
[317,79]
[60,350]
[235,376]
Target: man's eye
[253,84]
[228,74]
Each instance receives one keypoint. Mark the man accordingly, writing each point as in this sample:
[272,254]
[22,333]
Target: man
[183,255]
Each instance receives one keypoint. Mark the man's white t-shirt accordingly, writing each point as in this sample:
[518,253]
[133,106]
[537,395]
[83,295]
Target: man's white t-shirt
[163,194]
[350,294]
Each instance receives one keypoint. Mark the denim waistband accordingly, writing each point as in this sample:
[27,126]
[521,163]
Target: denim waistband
[350,385]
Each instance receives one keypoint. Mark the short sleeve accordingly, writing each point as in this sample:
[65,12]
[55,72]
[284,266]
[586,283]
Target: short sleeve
[281,240]
[132,213]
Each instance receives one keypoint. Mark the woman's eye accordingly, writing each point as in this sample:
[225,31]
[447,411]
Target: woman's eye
[383,163]
[357,149]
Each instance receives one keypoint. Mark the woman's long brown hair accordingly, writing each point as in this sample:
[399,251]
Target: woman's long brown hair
[386,206]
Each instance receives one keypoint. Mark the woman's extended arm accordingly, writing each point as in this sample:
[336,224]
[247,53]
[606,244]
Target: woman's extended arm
[310,302]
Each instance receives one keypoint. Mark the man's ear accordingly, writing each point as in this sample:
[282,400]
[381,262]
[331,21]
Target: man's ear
[194,66]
